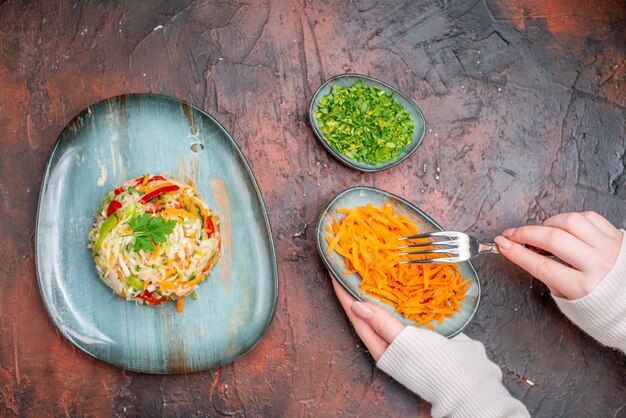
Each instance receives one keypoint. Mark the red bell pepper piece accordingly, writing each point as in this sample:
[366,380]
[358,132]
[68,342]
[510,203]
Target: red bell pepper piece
[209,227]
[119,190]
[158,192]
[157,207]
[147,296]
[139,180]
[113,207]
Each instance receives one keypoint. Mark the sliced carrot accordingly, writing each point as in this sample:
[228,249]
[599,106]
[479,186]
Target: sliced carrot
[155,253]
[179,304]
[169,285]
[173,212]
[367,239]
[194,281]
[333,243]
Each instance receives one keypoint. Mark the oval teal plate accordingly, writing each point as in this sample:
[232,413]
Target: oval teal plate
[348,80]
[362,195]
[122,138]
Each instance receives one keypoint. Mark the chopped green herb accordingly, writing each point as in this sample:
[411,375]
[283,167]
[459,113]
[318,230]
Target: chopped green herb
[106,227]
[134,282]
[364,123]
[149,230]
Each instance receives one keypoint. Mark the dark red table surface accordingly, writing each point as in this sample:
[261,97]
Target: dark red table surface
[526,107]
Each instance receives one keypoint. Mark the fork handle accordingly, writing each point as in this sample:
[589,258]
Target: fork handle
[491,247]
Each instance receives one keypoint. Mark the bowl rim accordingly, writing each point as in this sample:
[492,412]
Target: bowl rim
[420,212]
[348,161]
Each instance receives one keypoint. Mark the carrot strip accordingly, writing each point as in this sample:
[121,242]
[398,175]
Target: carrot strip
[169,285]
[333,243]
[155,253]
[172,212]
[194,281]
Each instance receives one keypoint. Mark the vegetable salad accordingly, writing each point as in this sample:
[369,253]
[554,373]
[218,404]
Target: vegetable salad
[155,240]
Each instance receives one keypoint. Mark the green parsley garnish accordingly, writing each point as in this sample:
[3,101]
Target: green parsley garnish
[364,123]
[149,230]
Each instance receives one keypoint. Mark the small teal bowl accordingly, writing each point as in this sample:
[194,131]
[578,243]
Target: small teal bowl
[348,80]
[361,196]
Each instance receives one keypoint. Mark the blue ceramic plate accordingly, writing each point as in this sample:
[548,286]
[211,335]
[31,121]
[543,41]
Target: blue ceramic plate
[360,196]
[348,80]
[122,138]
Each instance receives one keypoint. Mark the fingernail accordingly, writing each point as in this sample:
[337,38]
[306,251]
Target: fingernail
[361,310]
[509,232]
[503,242]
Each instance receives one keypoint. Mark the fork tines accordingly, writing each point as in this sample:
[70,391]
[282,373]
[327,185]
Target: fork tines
[452,234]
[445,250]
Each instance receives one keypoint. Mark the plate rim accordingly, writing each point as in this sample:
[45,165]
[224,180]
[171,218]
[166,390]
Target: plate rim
[274,263]
[421,213]
[345,160]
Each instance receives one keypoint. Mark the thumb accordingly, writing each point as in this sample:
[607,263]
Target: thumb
[381,320]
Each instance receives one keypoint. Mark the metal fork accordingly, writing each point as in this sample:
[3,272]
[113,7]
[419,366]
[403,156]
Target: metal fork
[450,246]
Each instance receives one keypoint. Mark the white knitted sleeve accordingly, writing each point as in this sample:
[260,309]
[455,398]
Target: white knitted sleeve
[454,375]
[602,313]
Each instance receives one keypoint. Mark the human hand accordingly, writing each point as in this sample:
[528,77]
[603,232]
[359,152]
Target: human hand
[376,326]
[586,241]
